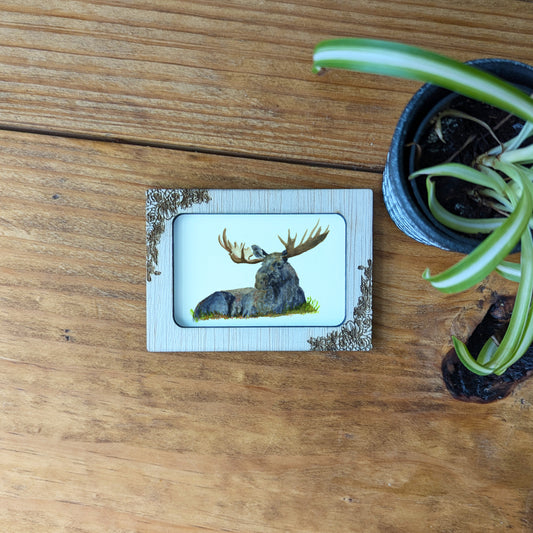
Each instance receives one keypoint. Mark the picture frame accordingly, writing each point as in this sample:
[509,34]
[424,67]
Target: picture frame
[250,269]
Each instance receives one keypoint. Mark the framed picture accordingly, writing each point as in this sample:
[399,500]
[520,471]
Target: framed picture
[232,270]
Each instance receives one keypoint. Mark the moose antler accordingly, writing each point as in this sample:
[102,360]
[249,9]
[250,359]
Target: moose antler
[237,252]
[315,238]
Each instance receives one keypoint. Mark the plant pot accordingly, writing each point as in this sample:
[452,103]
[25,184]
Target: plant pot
[405,201]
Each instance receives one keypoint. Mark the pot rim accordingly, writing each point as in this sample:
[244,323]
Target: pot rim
[398,195]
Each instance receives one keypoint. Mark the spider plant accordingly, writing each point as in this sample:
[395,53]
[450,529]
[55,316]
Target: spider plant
[503,175]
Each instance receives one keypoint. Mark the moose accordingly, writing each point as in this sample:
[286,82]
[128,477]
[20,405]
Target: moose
[277,287]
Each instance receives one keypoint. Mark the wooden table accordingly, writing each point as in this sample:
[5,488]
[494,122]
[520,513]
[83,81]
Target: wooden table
[101,100]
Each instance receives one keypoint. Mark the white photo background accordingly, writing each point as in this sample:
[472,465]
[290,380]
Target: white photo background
[202,266]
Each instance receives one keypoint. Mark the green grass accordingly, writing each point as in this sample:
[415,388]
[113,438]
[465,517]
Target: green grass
[309,306]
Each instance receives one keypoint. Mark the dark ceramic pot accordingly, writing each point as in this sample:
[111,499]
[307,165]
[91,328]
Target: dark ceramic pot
[402,200]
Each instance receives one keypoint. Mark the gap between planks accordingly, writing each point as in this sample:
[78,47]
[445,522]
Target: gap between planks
[178,148]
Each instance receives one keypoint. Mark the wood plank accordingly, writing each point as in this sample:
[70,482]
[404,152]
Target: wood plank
[231,76]
[98,435]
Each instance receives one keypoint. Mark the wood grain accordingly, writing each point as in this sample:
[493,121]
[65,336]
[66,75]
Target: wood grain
[230,77]
[98,435]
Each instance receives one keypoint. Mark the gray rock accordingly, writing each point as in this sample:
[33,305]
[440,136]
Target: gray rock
[277,290]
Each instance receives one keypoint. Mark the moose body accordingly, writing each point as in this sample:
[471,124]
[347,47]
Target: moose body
[277,287]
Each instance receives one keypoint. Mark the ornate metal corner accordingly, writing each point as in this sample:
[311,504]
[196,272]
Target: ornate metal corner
[356,334]
[163,205]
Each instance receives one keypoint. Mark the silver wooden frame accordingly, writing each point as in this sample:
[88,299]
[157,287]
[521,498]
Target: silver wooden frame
[164,334]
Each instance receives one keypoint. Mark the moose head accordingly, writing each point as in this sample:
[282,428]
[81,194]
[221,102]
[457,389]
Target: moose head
[277,287]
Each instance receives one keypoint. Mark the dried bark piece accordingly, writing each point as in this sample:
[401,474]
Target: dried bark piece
[468,387]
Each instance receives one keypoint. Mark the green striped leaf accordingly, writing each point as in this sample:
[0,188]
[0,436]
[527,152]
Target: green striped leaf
[519,333]
[491,180]
[456,222]
[468,361]
[401,60]
[489,254]
[487,352]
[509,270]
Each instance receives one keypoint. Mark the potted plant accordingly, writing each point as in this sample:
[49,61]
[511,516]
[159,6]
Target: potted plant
[500,177]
